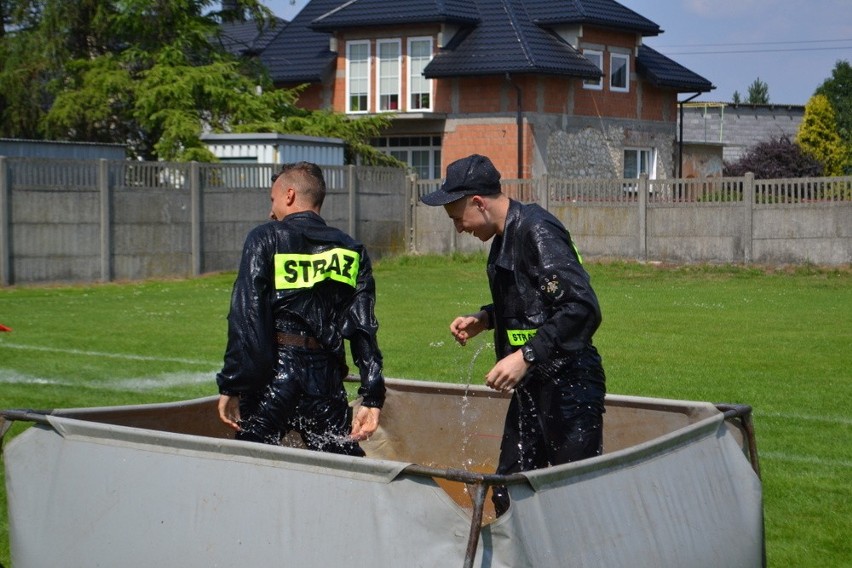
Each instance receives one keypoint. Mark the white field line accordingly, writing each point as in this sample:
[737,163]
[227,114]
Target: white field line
[126,356]
[796,458]
[844,420]
[134,384]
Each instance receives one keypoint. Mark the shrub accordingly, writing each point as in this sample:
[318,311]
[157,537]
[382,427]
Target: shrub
[775,158]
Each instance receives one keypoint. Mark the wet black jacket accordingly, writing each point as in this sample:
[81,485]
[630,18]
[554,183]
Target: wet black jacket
[323,286]
[538,283]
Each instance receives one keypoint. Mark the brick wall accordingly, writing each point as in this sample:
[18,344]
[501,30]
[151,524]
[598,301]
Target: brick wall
[495,138]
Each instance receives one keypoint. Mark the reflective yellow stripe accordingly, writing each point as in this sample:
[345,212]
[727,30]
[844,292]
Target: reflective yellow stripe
[519,336]
[306,270]
[577,251]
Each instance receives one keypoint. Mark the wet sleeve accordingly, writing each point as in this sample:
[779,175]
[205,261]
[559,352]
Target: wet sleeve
[571,306]
[489,311]
[249,355]
[360,328]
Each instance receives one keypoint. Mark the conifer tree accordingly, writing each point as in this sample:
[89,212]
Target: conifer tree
[758,93]
[838,90]
[818,136]
[148,74]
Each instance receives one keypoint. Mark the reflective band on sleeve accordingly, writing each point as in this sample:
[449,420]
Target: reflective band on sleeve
[307,270]
[576,251]
[519,336]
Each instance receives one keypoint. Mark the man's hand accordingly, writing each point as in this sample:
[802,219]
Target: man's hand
[468,327]
[366,422]
[508,372]
[229,411]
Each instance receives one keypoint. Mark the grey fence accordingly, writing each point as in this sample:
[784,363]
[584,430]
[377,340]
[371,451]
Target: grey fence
[83,221]
[725,220]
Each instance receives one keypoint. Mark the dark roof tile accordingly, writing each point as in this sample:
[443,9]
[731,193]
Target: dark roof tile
[661,71]
[508,42]
[299,54]
[359,13]
[247,38]
[603,13]
[495,37]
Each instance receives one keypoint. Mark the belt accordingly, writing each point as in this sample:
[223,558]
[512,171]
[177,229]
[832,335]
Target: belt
[294,340]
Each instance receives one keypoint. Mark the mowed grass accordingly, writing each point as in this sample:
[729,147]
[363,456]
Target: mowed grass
[779,340]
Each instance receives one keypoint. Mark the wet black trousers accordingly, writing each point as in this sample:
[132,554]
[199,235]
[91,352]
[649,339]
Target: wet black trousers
[555,417]
[306,395]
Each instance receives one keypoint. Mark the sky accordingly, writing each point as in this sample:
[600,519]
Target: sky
[791,45]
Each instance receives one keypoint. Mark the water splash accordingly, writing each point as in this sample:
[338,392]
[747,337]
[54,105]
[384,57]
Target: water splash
[467,434]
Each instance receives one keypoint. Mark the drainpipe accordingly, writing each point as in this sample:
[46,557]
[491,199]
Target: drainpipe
[680,137]
[519,120]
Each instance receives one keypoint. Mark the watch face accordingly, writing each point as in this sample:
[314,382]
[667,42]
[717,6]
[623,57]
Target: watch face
[529,354]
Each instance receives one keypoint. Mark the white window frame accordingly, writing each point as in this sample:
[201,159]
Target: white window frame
[415,76]
[388,68]
[650,163]
[594,84]
[615,60]
[404,149]
[349,78]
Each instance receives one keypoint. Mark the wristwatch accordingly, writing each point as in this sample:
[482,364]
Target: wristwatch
[529,354]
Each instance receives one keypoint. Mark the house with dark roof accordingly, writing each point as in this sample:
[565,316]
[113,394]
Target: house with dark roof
[559,87]
[248,38]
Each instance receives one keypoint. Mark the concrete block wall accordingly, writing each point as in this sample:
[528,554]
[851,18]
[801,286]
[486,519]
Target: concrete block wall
[739,127]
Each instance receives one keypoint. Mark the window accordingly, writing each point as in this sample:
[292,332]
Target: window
[421,153]
[357,76]
[388,74]
[595,57]
[419,87]
[638,161]
[619,72]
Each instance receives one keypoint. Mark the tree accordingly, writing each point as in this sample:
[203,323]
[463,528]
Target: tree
[758,93]
[775,158]
[736,99]
[838,91]
[148,74]
[818,136]
[38,37]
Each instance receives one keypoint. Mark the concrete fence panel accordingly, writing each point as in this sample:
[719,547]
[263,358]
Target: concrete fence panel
[601,230]
[90,220]
[812,233]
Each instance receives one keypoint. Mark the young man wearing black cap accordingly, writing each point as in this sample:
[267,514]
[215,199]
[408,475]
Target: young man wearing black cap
[543,313]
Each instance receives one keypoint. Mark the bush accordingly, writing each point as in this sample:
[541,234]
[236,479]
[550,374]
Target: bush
[774,158]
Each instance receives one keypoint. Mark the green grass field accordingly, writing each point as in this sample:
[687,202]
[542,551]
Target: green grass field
[778,340]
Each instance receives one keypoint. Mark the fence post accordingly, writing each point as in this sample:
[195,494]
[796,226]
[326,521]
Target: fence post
[748,219]
[544,191]
[105,220]
[643,216]
[5,224]
[410,223]
[196,224]
[350,186]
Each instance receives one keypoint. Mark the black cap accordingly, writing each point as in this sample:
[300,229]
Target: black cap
[474,175]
